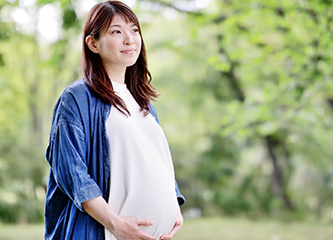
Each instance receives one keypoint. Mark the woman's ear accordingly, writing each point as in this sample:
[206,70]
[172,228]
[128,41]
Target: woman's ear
[91,43]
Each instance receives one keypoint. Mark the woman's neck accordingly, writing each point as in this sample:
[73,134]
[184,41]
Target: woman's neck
[117,75]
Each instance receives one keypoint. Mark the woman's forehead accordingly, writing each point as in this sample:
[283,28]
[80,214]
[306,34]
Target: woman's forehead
[118,18]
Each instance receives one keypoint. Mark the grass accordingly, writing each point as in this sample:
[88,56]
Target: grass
[22,232]
[210,229]
[243,229]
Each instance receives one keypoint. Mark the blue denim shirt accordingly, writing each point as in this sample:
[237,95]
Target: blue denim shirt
[78,154]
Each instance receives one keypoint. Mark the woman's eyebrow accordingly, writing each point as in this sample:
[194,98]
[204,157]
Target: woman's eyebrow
[117,25]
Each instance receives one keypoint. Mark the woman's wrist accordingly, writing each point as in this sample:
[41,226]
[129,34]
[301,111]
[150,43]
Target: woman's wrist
[99,209]
[113,221]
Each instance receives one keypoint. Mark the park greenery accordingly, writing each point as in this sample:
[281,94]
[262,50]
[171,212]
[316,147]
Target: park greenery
[209,228]
[246,101]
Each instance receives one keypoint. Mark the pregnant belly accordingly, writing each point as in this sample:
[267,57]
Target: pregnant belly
[155,202]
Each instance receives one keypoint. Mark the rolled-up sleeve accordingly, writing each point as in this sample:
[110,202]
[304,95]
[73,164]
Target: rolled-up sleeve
[67,152]
[69,165]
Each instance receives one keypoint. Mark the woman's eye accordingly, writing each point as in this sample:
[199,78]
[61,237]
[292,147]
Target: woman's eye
[135,30]
[115,32]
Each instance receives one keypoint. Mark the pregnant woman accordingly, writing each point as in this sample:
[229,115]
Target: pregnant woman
[111,172]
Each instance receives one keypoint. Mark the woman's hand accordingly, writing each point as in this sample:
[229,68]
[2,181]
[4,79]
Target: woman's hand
[124,228]
[128,228]
[178,224]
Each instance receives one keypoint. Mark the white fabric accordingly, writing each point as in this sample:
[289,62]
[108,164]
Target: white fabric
[142,174]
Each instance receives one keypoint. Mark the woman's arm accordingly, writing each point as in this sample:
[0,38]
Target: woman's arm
[124,228]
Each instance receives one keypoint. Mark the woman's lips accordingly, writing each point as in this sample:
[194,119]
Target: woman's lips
[128,51]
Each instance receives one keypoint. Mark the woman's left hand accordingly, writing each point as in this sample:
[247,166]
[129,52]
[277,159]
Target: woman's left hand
[178,224]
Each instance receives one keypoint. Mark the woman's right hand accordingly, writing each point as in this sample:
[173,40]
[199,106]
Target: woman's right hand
[124,228]
[128,228]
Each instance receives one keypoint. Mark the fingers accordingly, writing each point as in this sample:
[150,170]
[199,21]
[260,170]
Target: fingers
[144,222]
[146,236]
[172,233]
[143,234]
[176,227]
[129,228]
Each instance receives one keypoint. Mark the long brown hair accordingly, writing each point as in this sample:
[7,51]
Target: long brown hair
[137,76]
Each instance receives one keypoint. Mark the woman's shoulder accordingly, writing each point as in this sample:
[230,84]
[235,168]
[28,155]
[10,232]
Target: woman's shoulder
[77,98]
[74,100]
[77,88]
[79,94]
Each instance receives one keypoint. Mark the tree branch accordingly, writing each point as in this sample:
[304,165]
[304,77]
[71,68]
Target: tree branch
[277,10]
[170,5]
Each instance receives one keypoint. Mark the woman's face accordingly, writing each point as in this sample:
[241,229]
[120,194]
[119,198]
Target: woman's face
[120,45]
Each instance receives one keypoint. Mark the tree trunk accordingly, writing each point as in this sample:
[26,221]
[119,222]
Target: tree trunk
[278,182]
[277,176]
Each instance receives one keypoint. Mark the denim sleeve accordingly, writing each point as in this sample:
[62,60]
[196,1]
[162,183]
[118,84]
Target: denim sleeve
[68,164]
[180,197]
[67,152]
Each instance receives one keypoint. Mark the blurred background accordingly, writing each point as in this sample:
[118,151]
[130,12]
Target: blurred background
[246,105]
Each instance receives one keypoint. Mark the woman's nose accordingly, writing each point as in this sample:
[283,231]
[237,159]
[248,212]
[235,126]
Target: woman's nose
[128,39]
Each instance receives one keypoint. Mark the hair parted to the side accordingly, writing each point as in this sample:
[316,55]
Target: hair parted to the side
[137,77]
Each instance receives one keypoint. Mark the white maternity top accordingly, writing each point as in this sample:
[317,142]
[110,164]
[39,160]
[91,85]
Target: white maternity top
[142,175]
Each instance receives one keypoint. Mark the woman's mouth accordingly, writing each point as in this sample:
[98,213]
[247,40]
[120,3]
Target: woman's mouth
[128,51]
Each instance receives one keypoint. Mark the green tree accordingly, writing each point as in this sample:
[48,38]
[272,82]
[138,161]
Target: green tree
[262,103]
[32,74]
[246,101]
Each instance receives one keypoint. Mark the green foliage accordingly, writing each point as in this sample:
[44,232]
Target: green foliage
[246,103]
[256,105]
[23,212]
[69,18]
[32,75]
